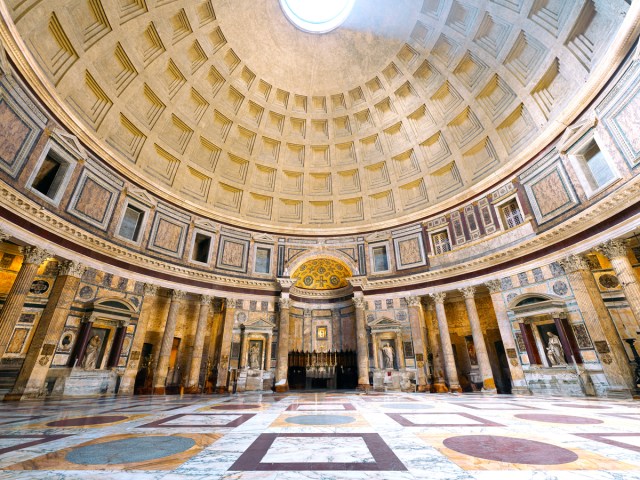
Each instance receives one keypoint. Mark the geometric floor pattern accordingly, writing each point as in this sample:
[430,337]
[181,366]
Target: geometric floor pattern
[317,436]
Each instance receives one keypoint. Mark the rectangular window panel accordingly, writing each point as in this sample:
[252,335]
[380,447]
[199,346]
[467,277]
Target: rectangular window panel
[441,243]
[512,214]
[47,180]
[201,247]
[131,223]
[598,166]
[263,260]
[380,260]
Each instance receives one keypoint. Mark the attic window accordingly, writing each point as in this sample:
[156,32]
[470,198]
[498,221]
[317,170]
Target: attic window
[317,16]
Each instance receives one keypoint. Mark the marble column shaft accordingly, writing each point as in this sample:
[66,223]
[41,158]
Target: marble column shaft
[445,339]
[116,346]
[417,334]
[518,380]
[400,352]
[14,303]
[436,355]
[362,345]
[616,252]
[488,383]
[602,330]
[31,379]
[225,345]
[162,368]
[282,365]
[198,343]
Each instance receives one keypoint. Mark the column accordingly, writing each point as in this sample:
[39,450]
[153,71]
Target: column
[400,351]
[116,345]
[225,345]
[129,378]
[613,358]
[162,368]
[567,339]
[436,356]
[376,353]
[81,342]
[267,355]
[417,334]
[282,366]
[31,379]
[518,381]
[530,344]
[14,303]
[616,252]
[362,346]
[445,340]
[198,345]
[488,384]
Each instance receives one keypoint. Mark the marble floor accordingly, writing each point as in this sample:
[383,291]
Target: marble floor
[347,435]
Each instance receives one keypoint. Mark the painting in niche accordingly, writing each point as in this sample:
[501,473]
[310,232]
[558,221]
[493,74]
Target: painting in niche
[471,350]
[255,355]
[409,251]
[321,333]
[233,254]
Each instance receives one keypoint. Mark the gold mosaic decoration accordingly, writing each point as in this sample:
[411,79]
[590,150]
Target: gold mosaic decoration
[322,274]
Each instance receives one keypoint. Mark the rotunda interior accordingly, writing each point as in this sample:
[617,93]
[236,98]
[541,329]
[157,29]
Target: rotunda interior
[412,196]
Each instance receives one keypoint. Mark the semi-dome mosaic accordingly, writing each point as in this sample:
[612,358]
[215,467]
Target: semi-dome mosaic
[322,274]
[228,109]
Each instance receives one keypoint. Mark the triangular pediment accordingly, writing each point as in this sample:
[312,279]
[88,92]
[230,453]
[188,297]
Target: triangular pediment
[142,196]
[259,324]
[574,133]
[263,237]
[384,323]
[71,143]
[377,237]
[207,225]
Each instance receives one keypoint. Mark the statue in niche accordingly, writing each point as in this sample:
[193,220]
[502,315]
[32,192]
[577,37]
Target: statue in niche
[254,356]
[387,354]
[91,354]
[555,352]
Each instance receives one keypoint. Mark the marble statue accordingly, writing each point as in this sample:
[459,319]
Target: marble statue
[91,354]
[387,352]
[254,357]
[555,352]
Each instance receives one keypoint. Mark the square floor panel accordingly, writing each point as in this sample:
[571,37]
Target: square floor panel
[312,407]
[497,406]
[304,452]
[628,441]
[123,452]
[187,420]
[441,420]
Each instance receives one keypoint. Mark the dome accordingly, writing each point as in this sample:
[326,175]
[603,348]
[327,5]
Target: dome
[229,110]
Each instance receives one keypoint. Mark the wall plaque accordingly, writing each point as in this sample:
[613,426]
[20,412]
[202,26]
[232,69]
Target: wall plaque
[602,346]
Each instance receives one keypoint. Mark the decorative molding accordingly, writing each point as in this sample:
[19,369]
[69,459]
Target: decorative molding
[614,248]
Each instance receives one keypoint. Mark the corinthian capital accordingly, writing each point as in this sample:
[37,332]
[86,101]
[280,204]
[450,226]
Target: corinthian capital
[438,297]
[358,302]
[494,286]
[35,255]
[413,301]
[614,248]
[177,295]
[71,268]
[150,289]
[574,263]
[205,299]
[468,292]
[285,303]
[4,235]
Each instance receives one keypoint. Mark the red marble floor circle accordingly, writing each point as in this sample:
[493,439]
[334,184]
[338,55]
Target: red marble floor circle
[579,405]
[567,419]
[87,421]
[235,407]
[510,450]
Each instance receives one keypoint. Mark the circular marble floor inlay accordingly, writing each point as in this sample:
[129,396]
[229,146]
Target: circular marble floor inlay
[320,419]
[510,450]
[129,450]
[234,407]
[567,419]
[87,421]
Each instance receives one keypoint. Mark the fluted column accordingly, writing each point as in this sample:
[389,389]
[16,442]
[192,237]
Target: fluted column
[438,385]
[518,380]
[162,369]
[445,339]
[613,358]
[417,334]
[225,345]
[488,383]
[282,367]
[198,345]
[362,346]
[14,303]
[616,252]
[129,378]
[31,379]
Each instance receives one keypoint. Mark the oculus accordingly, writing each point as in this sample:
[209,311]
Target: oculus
[317,16]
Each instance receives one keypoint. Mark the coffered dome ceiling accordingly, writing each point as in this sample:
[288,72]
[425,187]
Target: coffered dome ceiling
[228,109]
